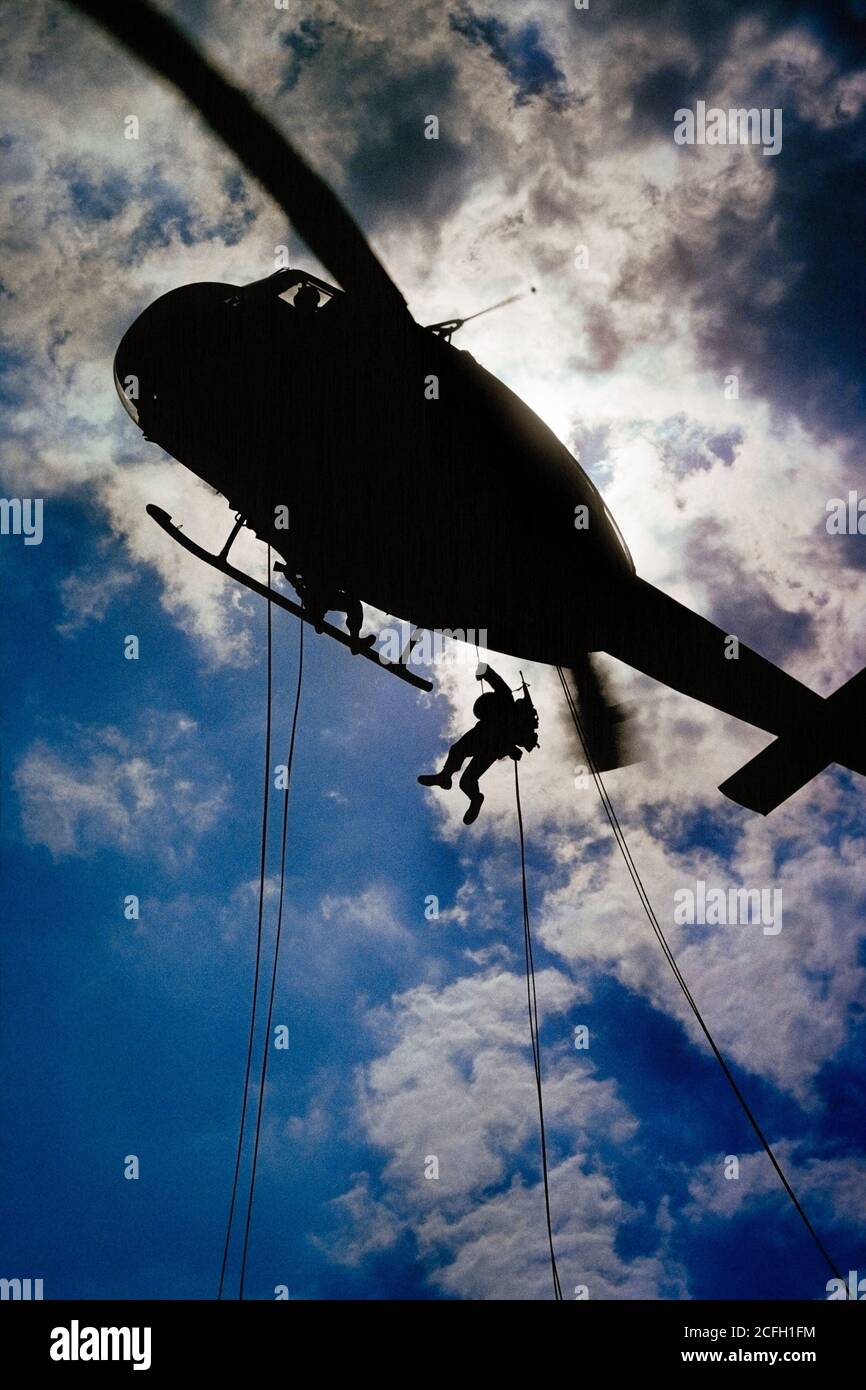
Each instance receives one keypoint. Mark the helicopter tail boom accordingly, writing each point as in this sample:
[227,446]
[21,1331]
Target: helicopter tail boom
[662,638]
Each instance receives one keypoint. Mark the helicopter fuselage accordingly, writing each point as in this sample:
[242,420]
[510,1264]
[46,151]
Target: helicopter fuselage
[416,481]
[412,477]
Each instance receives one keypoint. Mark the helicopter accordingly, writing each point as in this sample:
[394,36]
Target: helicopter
[413,479]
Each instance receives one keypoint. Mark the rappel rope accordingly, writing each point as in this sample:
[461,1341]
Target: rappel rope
[266,1050]
[257,972]
[263,857]
[532,1007]
[619,836]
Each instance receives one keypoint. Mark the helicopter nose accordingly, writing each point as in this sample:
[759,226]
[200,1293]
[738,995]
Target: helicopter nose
[144,360]
[160,358]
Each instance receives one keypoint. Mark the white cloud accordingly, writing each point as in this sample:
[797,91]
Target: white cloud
[830,1188]
[365,1226]
[105,789]
[371,909]
[498,1249]
[455,1083]
[87,596]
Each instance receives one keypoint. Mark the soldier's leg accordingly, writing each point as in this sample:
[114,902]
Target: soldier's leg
[355,621]
[469,784]
[314,601]
[459,752]
[464,748]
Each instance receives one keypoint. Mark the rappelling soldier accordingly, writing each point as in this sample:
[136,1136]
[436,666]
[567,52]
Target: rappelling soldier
[505,725]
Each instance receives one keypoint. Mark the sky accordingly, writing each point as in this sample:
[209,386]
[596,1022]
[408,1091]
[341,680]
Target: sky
[408,1033]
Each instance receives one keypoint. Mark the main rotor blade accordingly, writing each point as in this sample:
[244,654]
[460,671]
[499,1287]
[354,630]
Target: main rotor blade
[314,210]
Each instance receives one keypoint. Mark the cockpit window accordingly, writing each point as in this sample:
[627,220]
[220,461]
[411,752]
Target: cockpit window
[128,393]
[290,295]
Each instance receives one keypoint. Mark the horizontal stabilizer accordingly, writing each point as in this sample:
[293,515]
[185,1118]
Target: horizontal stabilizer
[775,774]
[788,763]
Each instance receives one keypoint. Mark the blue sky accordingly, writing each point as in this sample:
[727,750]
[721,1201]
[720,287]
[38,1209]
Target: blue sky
[408,1036]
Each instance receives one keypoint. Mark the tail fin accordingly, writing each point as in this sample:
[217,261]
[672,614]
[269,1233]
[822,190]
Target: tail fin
[787,764]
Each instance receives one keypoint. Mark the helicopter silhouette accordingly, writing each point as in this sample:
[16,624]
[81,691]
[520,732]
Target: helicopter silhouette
[413,479]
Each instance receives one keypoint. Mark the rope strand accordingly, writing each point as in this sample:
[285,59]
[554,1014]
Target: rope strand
[267,1043]
[262,861]
[619,836]
[532,1006]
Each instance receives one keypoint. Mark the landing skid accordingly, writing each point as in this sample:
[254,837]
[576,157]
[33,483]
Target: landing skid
[219,562]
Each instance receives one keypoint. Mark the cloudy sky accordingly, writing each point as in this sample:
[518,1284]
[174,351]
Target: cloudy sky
[408,1036]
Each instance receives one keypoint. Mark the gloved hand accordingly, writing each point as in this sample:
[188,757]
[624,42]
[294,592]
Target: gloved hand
[481,670]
